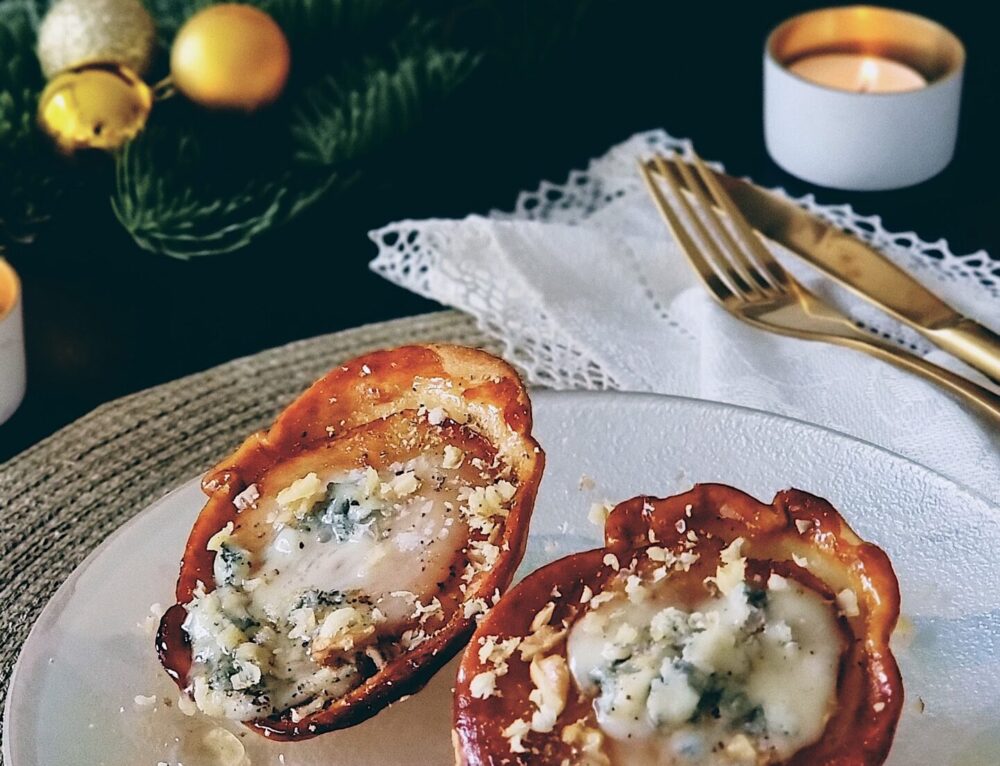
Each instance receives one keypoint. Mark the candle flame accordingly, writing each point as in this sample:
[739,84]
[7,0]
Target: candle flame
[869,75]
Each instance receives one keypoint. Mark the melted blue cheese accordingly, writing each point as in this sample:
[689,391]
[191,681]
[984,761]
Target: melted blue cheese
[748,677]
[288,626]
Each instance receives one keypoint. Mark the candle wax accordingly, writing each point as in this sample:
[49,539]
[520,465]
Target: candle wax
[860,73]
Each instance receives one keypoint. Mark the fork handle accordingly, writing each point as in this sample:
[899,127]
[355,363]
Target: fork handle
[971,342]
[982,398]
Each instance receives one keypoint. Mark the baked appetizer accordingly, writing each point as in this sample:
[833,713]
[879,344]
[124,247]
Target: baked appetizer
[344,554]
[710,629]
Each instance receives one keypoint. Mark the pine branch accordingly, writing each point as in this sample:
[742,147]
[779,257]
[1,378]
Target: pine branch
[197,182]
[189,192]
[31,176]
[336,124]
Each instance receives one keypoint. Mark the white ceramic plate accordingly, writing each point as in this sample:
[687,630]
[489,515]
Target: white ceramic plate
[72,696]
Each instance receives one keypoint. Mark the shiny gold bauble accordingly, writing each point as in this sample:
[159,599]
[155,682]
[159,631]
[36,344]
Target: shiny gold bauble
[99,107]
[230,56]
[75,33]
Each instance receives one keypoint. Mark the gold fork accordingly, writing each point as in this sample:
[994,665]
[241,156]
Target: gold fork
[742,275]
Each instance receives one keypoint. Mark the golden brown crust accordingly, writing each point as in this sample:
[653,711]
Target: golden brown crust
[479,723]
[795,524]
[349,406]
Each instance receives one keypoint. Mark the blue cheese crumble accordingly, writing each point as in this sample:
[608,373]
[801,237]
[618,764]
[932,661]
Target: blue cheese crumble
[332,590]
[747,677]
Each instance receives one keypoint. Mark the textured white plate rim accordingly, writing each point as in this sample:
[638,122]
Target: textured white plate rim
[712,404]
[66,589]
[63,593]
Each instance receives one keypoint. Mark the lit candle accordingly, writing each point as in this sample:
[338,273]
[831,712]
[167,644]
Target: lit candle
[862,98]
[859,73]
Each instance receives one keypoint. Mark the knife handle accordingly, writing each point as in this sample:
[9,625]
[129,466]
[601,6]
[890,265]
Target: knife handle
[974,344]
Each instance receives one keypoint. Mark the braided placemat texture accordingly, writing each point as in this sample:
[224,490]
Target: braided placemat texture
[61,498]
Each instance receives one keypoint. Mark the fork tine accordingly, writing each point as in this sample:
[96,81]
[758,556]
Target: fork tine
[716,286]
[765,261]
[715,257]
[737,259]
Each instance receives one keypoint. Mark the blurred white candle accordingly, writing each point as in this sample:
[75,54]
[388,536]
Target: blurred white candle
[860,73]
[12,372]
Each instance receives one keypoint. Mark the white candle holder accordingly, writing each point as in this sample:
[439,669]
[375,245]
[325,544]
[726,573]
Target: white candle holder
[12,367]
[866,141]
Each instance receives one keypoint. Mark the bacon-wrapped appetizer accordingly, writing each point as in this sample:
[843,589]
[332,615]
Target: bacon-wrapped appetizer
[711,630]
[343,554]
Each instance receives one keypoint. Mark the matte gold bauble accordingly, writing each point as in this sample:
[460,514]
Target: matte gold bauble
[99,107]
[75,33]
[230,56]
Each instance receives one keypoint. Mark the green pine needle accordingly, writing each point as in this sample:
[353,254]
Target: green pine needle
[185,193]
[335,124]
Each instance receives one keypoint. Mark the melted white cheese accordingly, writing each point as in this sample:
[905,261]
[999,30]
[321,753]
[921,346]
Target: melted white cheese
[745,678]
[351,557]
[398,549]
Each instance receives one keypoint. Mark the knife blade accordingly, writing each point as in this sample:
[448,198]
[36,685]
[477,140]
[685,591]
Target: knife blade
[866,272]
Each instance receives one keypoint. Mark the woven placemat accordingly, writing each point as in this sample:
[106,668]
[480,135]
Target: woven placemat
[61,498]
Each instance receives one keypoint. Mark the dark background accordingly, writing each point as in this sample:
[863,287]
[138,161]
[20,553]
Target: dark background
[104,318]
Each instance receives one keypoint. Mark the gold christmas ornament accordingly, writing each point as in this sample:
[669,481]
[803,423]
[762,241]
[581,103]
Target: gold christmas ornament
[230,56]
[75,33]
[98,107]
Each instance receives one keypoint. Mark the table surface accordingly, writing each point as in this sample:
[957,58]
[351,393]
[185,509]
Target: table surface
[104,318]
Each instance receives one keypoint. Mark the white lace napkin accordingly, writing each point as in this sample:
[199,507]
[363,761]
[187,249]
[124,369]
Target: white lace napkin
[586,288]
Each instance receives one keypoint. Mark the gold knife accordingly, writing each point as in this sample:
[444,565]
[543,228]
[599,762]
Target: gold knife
[866,272]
